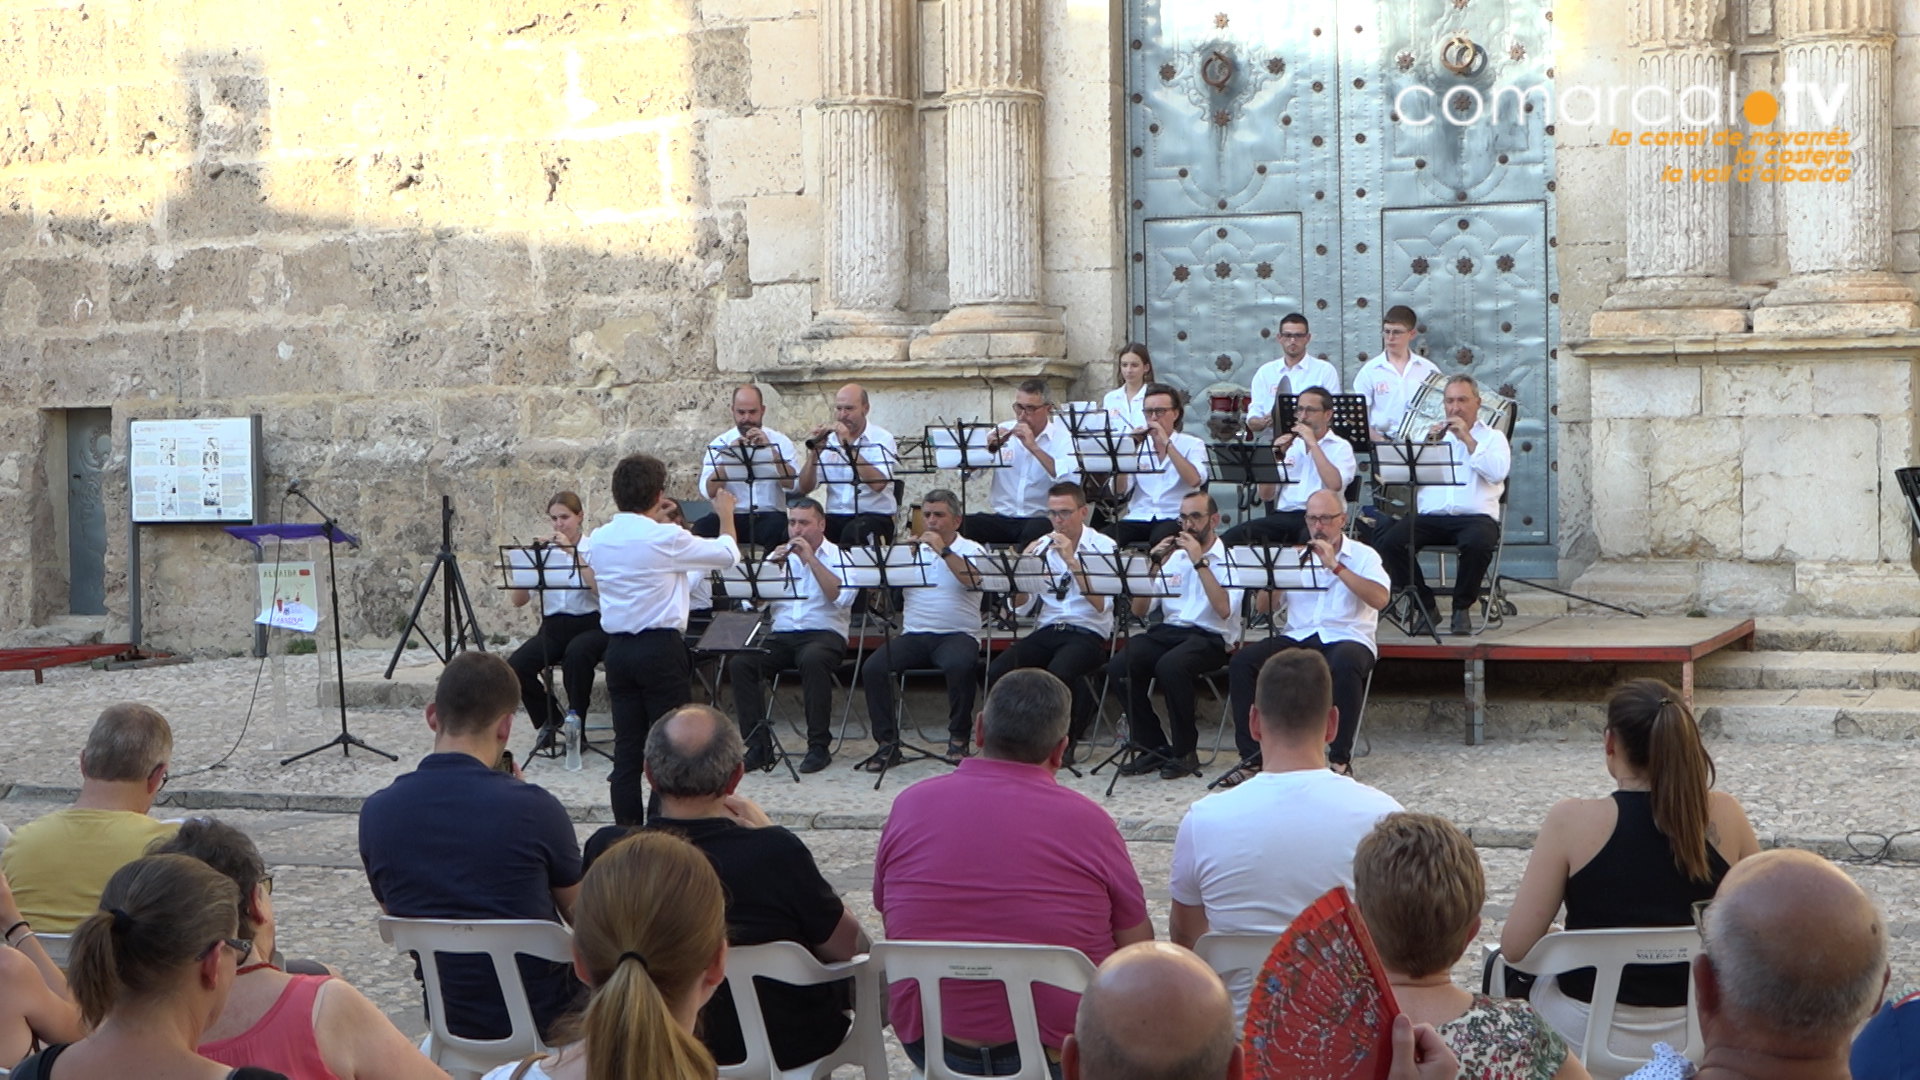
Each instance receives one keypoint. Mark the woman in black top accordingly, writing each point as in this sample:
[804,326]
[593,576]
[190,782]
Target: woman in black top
[151,970]
[1639,858]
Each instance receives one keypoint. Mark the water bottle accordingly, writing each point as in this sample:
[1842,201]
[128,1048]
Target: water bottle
[570,734]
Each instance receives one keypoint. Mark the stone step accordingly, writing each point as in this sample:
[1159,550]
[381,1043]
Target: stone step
[1753,715]
[1809,634]
[1769,670]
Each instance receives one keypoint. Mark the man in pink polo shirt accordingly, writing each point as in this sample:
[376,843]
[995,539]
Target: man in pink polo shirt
[997,851]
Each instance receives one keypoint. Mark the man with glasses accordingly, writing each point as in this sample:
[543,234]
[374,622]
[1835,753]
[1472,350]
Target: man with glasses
[1389,380]
[1316,459]
[1337,622]
[1035,453]
[1291,374]
[58,863]
[1202,622]
[1154,510]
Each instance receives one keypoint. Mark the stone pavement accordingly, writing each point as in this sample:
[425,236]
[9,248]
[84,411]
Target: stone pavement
[1804,793]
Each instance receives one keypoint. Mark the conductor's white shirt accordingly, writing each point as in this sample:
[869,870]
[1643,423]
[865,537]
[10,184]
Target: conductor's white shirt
[1191,607]
[767,496]
[1073,608]
[1310,372]
[947,606]
[1157,495]
[1306,474]
[1336,614]
[846,493]
[1485,472]
[640,571]
[813,611]
[1020,483]
[1389,392]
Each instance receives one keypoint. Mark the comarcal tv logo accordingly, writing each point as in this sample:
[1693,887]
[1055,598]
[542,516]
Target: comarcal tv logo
[1808,145]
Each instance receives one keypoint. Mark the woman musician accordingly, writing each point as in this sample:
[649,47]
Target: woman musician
[569,631]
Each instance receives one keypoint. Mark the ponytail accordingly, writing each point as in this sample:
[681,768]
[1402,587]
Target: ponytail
[631,1034]
[1658,734]
[93,967]
[157,916]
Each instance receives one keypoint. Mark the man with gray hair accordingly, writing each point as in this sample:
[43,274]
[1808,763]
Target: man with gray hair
[1795,961]
[1154,1011]
[1035,453]
[58,863]
[998,851]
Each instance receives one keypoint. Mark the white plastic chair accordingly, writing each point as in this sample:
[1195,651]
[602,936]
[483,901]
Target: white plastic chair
[791,963]
[501,940]
[57,946]
[1607,952]
[1017,967]
[1230,954]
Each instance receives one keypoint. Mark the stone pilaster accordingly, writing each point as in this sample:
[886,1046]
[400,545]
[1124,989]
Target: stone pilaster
[1840,233]
[994,103]
[1677,277]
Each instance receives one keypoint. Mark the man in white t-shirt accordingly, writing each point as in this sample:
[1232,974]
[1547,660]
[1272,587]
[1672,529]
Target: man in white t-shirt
[1293,372]
[1180,466]
[855,460]
[1250,860]
[940,628]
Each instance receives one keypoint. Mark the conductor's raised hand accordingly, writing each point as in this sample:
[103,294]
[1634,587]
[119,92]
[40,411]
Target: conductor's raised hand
[724,502]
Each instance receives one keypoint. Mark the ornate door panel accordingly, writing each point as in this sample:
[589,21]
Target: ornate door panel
[1212,284]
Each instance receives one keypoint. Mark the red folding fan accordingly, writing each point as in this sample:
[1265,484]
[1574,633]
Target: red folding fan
[1321,1008]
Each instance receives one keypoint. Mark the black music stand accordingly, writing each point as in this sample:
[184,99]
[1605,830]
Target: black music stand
[759,582]
[851,458]
[1011,574]
[901,566]
[1417,465]
[1090,424]
[1289,569]
[1123,577]
[529,567]
[458,619]
[756,464]
[1246,465]
[962,445]
[1351,419]
[347,740]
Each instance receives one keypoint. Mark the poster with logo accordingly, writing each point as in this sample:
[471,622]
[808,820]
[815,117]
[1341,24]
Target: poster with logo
[192,471]
[289,596]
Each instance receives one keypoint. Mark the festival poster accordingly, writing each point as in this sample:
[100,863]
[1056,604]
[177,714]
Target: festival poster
[289,596]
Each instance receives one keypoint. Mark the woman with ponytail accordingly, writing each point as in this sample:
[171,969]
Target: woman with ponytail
[650,938]
[151,970]
[1643,857]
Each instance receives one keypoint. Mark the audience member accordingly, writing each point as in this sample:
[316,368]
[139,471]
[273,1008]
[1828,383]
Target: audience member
[58,863]
[1154,1011]
[1642,857]
[35,1005]
[1888,1048]
[998,851]
[151,970]
[1419,885]
[1245,861]
[651,939]
[310,1027]
[456,839]
[1795,959]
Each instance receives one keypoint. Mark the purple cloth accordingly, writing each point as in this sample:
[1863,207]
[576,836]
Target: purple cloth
[290,530]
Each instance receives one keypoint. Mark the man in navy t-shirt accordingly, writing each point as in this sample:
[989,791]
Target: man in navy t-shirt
[455,839]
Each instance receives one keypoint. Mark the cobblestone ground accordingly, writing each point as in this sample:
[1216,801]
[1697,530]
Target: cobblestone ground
[1813,792]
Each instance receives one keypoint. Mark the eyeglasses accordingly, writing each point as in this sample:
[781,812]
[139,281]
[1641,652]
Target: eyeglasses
[1195,518]
[266,882]
[242,948]
[1061,515]
[1019,408]
[1324,519]
[1162,411]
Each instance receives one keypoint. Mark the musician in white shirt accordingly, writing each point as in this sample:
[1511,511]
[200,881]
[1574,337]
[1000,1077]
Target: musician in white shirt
[808,633]
[762,517]
[940,628]
[1035,453]
[1124,403]
[1294,372]
[1153,513]
[1316,458]
[1339,623]
[1071,637]
[638,568]
[855,460]
[1466,515]
[569,633]
[1389,380]
[1201,624]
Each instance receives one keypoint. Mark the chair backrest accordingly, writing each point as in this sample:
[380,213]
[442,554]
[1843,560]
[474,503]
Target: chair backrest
[1607,952]
[790,963]
[1229,954]
[500,939]
[1016,967]
[57,946]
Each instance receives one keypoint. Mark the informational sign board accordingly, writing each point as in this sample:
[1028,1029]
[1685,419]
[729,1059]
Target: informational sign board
[193,471]
[289,596]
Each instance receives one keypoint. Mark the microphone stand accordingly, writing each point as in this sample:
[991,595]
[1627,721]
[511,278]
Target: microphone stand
[346,740]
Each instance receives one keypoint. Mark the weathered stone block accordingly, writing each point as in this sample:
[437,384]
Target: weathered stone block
[1758,390]
[558,20]
[504,93]
[1745,589]
[786,62]
[1694,495]
[532,350]
[16,212]
[683,175]
[645,78]
[1809,489]
[1667,322]
[722,71]
[477,430]
[783,238]
[67,125]
[1835,318]
[384,432]
[267,361]
[231,115]
[150,121]
[727,11]
[748,332]
[313,194]
[754,155]
[484,272]
[459,188]
[375,99]
[212,201]
[415,355]
[100,207]
[72,45]
[1858,590]
[599,176]
[1622,455]
[204,280]
[1869,387]
[570,415]
[1639,391]
[53,292]
[90,372]
[612,260]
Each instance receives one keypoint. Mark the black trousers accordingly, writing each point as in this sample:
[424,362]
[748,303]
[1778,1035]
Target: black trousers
[1477,536]
[856,530]
[816,653]
[1072,655]
[1004,529]
[765,528]
[1279,527]
[1130,533]
[1351,663]
[1175,657]
[647,677]
[577,645]
[956,655]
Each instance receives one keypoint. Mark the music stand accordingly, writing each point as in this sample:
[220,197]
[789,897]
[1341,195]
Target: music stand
[900,566]
[457,614]
[1123,577]
[765,581]
[1351,419]
[962,445]
[755,464]
[535,568]
[1011,574]
[1287,568]
[1417,465]
[1247,465]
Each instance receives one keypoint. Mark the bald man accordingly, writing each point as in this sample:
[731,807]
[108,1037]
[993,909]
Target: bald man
[855,460]
[761,517]
[1154,1011]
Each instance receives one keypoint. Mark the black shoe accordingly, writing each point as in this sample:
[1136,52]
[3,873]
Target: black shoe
[1073,752]
[1186,766]
[759,757]
[886,757]
[1462,623]
[957,749]
[818,757]
[1341,768]
[1144,761]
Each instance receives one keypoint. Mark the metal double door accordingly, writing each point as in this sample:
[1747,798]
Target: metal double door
[1278,162]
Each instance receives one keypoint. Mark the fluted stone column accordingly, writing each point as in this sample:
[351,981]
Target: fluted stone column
[1840,233]
[1677,233]
[866,137]
[994,103]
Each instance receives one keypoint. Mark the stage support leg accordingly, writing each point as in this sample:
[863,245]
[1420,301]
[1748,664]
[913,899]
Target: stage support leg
[1476,702]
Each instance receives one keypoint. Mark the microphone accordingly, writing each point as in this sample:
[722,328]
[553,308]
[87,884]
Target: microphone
[293,485]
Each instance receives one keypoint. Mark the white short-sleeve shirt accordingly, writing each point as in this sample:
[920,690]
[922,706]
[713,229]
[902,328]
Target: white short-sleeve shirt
[1310,372]
[1336,614]
[1389,392]
[1065,605]
[1020,483]
[1157,495]
[1127,412]
[812,610]
[947,606]
[641,567]
[767,495]
[1485,472]
[846,493]
[1191,607]
[1299,461]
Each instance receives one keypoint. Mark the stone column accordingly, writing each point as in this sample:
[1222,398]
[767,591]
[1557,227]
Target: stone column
[1677,270]
[993,103]
[866,137]
[1839,233]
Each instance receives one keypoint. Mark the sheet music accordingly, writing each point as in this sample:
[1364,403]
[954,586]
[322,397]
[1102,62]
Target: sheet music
[554,568]
[1109,571]
[1003,572]
[1432,463]
[906,567]
[768,580]
[1292,567]
[949,452]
